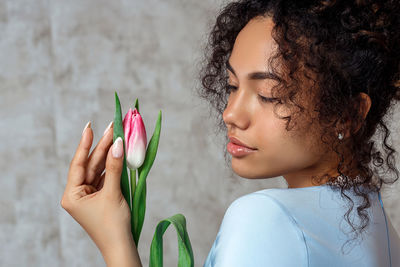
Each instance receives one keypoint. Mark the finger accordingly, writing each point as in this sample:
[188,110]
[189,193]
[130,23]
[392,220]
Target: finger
[96,181]
[97,158]
[77,169]
[114,163]
[85,190]
[100,184]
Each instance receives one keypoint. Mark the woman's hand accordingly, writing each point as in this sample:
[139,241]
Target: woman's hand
[94,199]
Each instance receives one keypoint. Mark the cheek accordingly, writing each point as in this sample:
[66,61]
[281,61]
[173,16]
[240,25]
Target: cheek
[270,134]
[281,149]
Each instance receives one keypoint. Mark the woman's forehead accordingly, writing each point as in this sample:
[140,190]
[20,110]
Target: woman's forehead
[253,47]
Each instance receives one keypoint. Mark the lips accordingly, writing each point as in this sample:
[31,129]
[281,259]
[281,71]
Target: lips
[240,143]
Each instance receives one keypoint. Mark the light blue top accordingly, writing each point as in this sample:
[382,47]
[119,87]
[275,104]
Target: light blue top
[287,227]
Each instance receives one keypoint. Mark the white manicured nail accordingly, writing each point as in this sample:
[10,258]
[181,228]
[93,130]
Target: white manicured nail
[117,149]
[108,127]
[87,125]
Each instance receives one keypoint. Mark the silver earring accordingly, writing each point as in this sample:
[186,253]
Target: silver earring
[340,136]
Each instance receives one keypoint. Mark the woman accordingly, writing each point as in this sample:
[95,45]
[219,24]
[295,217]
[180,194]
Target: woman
[302,87]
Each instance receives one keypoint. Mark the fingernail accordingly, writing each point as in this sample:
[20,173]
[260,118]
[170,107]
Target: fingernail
[87,126]
[108,127]
[117,149]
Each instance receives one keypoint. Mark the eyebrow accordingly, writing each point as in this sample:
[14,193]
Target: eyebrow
[258,75]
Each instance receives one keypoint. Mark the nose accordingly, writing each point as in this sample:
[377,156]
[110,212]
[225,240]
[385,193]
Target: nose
[236,113]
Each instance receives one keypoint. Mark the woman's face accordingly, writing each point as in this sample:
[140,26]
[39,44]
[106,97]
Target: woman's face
[295,155]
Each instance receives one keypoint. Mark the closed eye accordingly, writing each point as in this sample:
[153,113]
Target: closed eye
[230,88]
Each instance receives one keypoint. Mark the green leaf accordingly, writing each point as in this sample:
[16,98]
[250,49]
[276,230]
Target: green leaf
[185,258]
[119,132]
[139,201]
[137,104]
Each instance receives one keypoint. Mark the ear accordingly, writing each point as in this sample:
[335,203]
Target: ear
[344,126]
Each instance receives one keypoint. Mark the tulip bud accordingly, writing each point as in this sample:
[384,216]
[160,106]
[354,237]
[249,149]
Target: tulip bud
[135,139]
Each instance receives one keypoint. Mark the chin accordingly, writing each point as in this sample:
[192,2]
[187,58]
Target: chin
[250,172]
[247,173]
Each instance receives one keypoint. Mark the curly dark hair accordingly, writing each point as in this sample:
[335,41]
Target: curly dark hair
[344,48]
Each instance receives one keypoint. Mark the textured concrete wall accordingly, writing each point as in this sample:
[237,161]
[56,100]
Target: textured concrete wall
[60,64]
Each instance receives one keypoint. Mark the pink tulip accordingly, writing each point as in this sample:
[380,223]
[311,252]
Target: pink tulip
[135,139]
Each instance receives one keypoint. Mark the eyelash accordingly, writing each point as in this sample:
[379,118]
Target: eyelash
[230,88]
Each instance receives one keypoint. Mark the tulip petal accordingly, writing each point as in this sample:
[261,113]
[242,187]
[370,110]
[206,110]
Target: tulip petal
[136,139]
[127,127]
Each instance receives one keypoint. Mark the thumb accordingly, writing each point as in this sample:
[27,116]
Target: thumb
[114,163]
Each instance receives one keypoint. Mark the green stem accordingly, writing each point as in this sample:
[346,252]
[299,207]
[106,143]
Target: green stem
[133,188]
[133,183]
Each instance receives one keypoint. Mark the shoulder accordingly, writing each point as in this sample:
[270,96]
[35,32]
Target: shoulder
[257,204]
[257,230]
[261,208]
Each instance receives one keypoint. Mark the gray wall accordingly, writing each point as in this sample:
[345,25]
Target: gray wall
[61,62]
